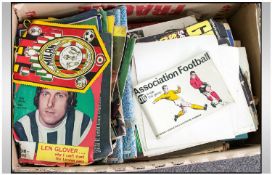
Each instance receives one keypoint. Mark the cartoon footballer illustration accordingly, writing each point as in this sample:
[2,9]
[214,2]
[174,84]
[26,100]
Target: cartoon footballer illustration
[205,89]
[171,95]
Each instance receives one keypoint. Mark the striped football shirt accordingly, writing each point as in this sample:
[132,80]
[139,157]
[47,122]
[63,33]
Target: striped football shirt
[71,131]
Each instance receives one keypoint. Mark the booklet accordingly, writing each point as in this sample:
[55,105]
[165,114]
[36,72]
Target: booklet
[187,92]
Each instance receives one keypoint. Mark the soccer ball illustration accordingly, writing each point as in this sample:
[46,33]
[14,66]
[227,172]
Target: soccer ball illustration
[35,31]
[88,36]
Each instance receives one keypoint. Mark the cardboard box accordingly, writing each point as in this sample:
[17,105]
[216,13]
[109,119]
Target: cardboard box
[244,19]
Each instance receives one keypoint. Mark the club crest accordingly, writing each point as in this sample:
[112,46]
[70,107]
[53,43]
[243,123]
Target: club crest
[67,57]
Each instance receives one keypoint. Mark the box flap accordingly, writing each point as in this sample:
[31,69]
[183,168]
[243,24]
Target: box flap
[136,11]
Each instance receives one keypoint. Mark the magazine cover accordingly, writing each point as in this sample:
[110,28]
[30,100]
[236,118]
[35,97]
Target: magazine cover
[187,92]
[55,127]
[71,139]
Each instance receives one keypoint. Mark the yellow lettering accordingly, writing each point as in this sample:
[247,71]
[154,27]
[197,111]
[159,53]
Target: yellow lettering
[200,29]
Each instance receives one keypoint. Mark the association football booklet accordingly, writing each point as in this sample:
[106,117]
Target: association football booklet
[191,90]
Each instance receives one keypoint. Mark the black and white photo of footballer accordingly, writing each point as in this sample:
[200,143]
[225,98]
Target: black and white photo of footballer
[171,95]
[55,121]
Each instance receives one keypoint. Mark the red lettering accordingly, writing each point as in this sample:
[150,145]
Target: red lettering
[179,9]
[161,9]
[130,9]
[143,10]
[222,12]
[85,8]
[31,14]
[226,8]
[106,7]
[98,6]
[89,7]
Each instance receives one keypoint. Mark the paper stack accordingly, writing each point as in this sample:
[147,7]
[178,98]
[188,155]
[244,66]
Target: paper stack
[175,95]
[79,66]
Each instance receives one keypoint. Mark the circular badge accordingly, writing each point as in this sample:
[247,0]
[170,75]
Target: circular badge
[100,60]
[67,57]
[35,31]
[30,51]
[81,82]
[88,36]
[70,57]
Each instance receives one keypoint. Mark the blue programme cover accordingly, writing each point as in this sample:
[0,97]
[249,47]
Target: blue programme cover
[129,141]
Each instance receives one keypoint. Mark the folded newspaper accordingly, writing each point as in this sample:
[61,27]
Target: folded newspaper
[191,90]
